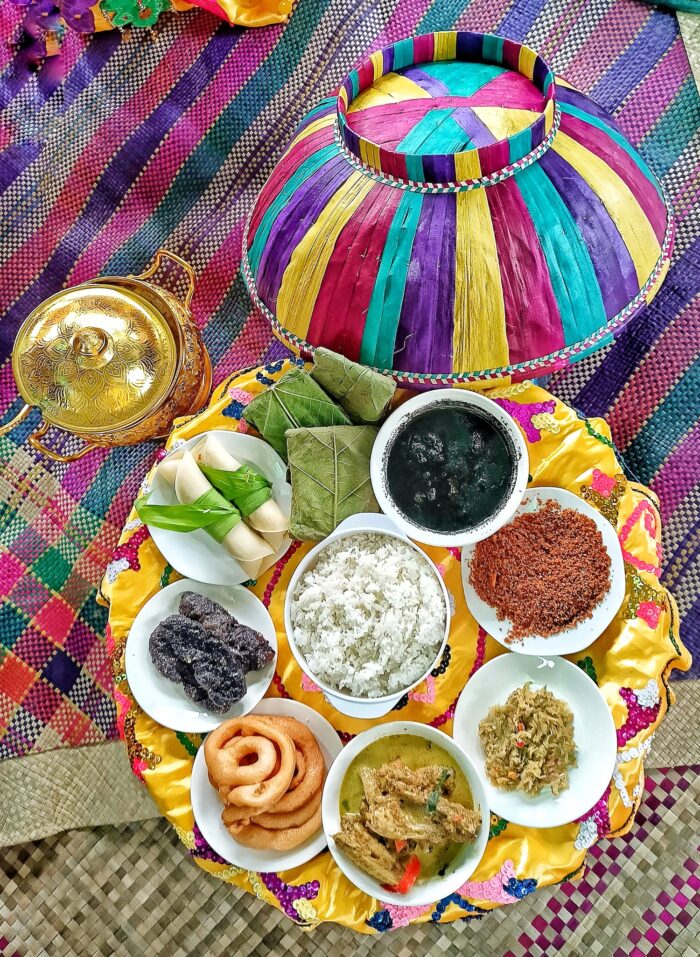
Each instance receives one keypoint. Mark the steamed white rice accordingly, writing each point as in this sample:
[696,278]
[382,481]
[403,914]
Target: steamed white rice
[369,617]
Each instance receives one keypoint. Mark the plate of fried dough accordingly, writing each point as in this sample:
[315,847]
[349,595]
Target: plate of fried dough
[257,783]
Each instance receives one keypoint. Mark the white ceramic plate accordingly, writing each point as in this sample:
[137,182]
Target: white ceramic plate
[465,862]
[594,736]
[585,632]
[196,554]
[164,700]
[207,806]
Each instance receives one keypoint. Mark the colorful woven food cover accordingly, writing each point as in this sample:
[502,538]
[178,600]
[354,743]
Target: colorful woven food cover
[456,213]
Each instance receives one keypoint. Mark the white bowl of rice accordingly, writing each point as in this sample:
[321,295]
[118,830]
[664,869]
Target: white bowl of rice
[367,616]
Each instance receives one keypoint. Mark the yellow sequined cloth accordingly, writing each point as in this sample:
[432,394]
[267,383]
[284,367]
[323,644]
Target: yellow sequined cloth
[631,663]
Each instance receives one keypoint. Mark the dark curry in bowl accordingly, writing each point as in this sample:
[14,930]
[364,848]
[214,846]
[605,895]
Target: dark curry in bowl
[406,811]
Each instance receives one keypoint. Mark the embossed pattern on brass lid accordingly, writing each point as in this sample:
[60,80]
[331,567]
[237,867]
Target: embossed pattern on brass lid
[95,358]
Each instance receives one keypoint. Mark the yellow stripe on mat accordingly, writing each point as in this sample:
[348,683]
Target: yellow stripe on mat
[479,339]
[635,229]
[303,276]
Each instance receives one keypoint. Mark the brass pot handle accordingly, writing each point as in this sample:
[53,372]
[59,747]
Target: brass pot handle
[49,453]
[174,258]
[20,417]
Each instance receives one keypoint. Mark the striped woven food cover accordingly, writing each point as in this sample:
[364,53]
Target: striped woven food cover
[454,213]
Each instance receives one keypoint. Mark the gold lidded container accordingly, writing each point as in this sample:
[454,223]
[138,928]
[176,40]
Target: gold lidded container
[113,361]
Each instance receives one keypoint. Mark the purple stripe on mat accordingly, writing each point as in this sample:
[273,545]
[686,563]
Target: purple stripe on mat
[423,343]
[15,159]
[680,287]
[425,81]
[641,56]
[292,224]
[611,259]
[520,17]
[478,132]
[117,178]
[89,65]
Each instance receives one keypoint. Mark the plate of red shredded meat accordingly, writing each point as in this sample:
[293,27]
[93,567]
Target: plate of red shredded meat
[551,580]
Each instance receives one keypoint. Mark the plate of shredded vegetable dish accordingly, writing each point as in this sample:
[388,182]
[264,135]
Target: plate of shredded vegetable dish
[541,735]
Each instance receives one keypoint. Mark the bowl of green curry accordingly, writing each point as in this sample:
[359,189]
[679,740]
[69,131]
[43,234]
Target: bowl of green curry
[405,814]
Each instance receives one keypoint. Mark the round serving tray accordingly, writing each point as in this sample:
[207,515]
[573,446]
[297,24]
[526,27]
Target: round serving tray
[630,662]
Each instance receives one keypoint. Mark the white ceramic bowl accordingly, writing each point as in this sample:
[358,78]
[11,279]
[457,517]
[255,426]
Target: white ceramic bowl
[399,419]
[358,707]
[594,736]
[196,554]
[465,862]
[579,636]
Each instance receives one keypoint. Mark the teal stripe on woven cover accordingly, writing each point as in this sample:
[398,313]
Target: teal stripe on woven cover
[300,175]
[614,135]
[384,311]
[520,144]
[403,54]
[570,268]
[461,82]
[323,105]
[436,132]
[493,48]
[414,168]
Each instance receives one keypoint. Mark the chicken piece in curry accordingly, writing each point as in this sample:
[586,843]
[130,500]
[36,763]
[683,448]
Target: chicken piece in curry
[406,811]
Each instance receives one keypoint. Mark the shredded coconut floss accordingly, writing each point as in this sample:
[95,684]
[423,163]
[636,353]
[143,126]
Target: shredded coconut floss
[369,617]
[529,742]
[544,572]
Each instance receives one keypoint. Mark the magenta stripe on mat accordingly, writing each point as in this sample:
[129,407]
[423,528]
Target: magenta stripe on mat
[611,32]
[656,375]
[678,476]
[152,186]
[86,173]
[653,95]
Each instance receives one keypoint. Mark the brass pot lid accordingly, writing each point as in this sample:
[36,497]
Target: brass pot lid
[95,358]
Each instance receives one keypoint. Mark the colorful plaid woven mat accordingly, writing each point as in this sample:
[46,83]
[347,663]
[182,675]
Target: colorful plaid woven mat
[121,144]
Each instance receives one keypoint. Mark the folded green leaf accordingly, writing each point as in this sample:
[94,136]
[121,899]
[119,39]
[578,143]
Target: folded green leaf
[210,511]
[292,402]
[247,488]
[363,393]
[330,477]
